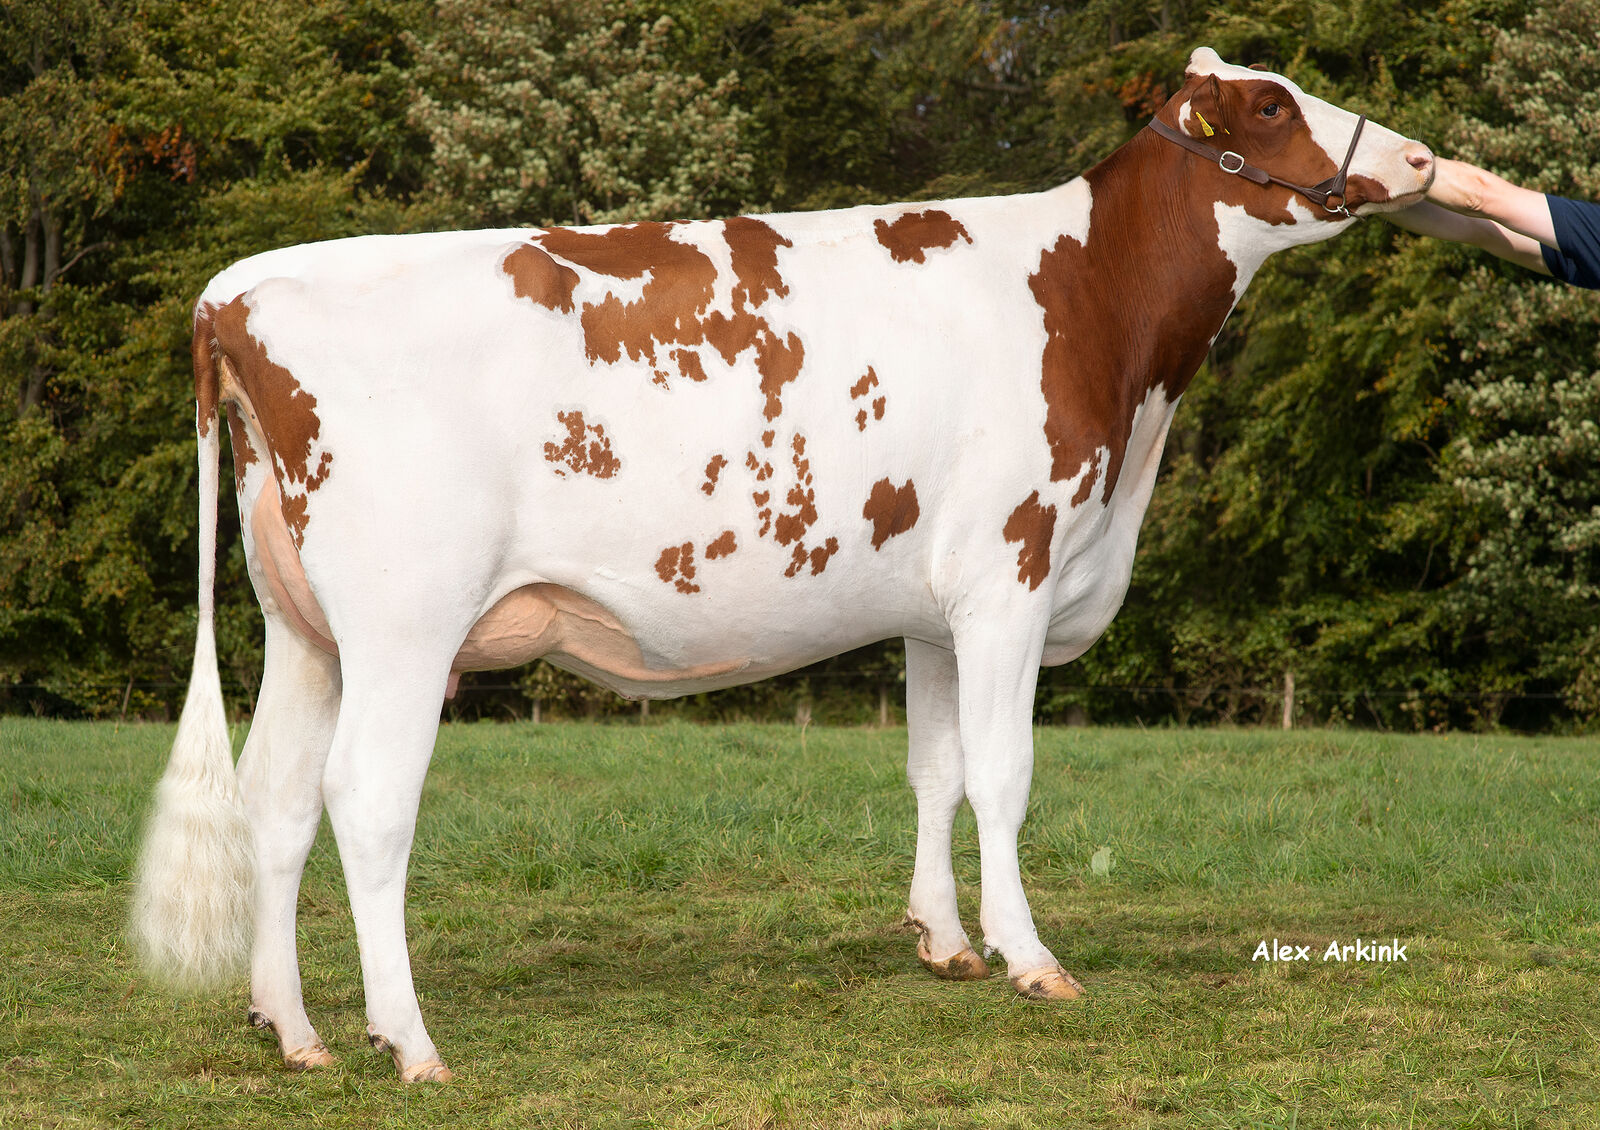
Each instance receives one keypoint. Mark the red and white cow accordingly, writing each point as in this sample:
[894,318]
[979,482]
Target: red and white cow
[675,457]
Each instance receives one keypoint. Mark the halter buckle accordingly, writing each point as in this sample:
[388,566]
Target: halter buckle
[1223,162]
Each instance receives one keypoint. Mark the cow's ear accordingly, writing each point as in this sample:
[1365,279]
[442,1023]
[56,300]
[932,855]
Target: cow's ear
[1206,117]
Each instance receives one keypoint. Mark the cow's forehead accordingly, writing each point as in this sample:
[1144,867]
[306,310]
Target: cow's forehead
[1331,126]
[1205,61]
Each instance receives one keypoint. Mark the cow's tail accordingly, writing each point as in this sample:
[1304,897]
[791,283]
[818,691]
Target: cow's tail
[192,896]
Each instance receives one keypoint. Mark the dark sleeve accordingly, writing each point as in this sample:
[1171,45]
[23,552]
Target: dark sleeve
[1577,227]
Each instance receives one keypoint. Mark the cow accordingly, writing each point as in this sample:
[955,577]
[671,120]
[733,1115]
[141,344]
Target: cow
[674,457]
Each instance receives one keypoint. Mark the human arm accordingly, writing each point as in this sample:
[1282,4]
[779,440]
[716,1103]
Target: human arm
[1428,218]
[1474,206]
[1477,192]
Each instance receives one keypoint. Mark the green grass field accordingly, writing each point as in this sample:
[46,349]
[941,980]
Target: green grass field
[698,926]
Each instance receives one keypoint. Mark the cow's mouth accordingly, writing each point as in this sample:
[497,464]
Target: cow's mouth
[1392,204]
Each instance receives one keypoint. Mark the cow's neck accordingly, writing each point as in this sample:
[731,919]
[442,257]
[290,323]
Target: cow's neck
[1153,211]
[1134,307]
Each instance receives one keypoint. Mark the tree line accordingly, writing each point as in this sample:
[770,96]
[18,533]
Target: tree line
[1386,481]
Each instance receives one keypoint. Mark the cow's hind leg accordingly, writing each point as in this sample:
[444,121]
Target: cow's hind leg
[999,669]
[934,767]
[388,722]
[280,779]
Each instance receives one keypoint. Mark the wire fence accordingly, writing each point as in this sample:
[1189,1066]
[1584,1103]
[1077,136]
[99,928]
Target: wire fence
[877,697]
[864,677]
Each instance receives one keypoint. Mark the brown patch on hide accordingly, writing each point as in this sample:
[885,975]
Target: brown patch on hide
[668,311]
[286,413]
[860,389]
[676,566]
[891,510]
[914,234]
[792,525]
[753,245]
[713,469]
[817,558]
[763,511]
[586,450]
[778,363]
[674,314]
[536,276]
[243,453]
[1113,333]
[1032,525]
[688,364]
[207,387]
[723,546]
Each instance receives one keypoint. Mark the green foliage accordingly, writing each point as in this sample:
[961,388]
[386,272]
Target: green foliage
[1385,481]
[563,112]
[210,158]
[1526,461]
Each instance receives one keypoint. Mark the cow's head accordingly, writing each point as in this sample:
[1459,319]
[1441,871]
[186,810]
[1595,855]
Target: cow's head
[1276,127]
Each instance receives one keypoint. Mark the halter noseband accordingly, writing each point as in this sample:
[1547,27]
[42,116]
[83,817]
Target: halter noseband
[1230,162]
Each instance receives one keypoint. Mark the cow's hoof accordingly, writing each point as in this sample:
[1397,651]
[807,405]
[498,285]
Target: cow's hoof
[429,1071]
[309,1058]
[964,966]
[1052,984]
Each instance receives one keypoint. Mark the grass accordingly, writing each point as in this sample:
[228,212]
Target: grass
[685,926]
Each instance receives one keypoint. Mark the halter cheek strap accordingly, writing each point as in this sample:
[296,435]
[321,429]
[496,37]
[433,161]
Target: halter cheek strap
[1329,193]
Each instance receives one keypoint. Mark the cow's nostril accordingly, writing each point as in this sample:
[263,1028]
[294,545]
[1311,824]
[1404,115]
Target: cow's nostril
[1419,159]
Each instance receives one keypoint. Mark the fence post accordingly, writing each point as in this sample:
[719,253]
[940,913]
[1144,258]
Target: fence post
[1288,700]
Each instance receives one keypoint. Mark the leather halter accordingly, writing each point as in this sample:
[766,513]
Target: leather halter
[1230,162]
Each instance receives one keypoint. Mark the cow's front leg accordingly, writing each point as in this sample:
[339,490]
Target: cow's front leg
[934,767]
[373,783]
[999,668]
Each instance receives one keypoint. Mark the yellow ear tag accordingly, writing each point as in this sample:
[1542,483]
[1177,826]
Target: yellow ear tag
[1205,125]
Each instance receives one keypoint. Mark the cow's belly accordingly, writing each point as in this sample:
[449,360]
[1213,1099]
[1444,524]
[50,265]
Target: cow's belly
[532,621]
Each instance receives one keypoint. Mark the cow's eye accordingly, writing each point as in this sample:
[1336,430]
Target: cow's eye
[1270,110]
